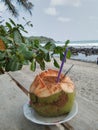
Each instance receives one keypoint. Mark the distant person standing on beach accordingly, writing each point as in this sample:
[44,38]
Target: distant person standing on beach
[97,60]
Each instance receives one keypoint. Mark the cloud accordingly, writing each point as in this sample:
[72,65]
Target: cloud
[64,19]
[51,11]
[75,3]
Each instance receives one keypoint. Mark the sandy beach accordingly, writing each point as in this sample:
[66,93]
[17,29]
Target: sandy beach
[85,77]
[12,99]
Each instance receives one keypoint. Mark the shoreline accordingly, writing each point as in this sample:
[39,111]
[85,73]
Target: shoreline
[86,61]
[84,54]
[77,58]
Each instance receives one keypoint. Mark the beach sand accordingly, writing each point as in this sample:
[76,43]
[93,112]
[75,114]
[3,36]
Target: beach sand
[85,77]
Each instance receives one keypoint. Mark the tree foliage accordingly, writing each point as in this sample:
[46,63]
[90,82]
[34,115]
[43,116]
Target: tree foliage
[12,8]
[19,50]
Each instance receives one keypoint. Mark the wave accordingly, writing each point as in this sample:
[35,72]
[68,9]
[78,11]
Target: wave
[79,44]
[82,44]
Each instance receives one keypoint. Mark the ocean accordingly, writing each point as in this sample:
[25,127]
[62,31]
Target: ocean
[82,44]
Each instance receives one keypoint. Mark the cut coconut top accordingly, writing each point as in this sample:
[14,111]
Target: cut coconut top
[45,84]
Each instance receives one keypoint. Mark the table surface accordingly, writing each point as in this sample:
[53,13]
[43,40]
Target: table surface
[12,100]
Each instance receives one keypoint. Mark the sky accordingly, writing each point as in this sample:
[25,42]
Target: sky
[59,19]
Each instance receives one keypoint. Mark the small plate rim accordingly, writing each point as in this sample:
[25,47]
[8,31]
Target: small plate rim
[32,115]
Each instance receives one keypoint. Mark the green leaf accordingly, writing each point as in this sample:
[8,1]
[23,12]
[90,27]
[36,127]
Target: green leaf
[61,56]
[56,64]
[8,25]
[19,25]
[67,42]
[68,54]
[42,65]
[2,59]
[23,50]
[2,55]
[31,25]
[33,65]
[5,40]
[17,37]
[40,61]
[47,57]
[49,46]
[12,21]
[36,43]
[13,65]
[2,63]
[58,50]
[43,50]
[20,56]
[3,30]
[23,30]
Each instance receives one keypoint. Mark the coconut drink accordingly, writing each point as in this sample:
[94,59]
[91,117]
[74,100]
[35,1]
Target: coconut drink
[50,98]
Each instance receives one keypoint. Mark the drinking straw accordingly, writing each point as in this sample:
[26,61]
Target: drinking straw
[64,58]
[68,71]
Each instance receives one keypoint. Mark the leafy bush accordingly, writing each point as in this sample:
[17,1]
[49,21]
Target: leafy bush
[19,50]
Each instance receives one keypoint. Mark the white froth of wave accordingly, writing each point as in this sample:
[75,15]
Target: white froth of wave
[85,45]
[77,44]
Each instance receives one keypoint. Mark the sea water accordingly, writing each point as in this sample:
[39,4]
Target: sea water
[82,57]
[82,44]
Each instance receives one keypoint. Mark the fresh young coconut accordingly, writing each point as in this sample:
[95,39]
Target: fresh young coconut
[49,98]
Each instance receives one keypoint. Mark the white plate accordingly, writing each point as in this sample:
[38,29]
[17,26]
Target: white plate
[31,115]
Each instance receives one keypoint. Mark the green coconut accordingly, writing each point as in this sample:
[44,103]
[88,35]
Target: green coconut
[49,98]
